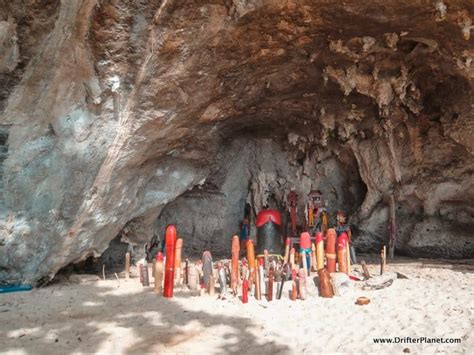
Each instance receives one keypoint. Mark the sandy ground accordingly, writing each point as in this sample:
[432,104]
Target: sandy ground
[122,317]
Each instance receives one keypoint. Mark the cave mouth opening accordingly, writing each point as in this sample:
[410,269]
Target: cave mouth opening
[254,166]
[290,103]
[256,169]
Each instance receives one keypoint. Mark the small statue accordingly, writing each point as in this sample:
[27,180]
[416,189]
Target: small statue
[244,233]
[324,221]
[269,236]
[293,209]
[342,226]
[316,218]
[245,228]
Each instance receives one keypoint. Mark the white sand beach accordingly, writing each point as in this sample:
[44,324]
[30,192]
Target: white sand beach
[122,317]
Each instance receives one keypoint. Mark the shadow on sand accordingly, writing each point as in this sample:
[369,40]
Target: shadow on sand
[81,320]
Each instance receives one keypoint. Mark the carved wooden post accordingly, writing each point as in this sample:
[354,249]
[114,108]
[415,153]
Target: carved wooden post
[146,277]
[222,278]
[261,276]
[348,254]
[251,261]
[127,265]
[186,271]
[302,283]
[331,250]
[193,278]
[211,286]
[292,257]
[294,288]
[314,262]
[383,258]
[287,251]
[159,269]
[319,251]
[177,261]
[207,270]
[169,267]
[257,280]
[235,264]
[365,270]
[342,253]
[245,290]
[325,286]
[270,284]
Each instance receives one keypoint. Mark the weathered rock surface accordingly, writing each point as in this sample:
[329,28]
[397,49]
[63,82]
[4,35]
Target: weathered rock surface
[111,110]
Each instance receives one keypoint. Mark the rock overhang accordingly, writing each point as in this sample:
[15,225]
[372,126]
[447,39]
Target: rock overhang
[171,83]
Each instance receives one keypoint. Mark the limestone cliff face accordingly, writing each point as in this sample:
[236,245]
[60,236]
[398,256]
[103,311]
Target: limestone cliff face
[112,111]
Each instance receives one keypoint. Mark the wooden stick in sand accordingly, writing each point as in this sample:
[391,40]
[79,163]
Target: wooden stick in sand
[383,258]
[302,283]
[177,261]
[245,289]
[270,284]
[245,268]
[304,261]
[287,251]
[169,264]
[292,257]
[251,261]
[235,264]
[206,267]
[348,254]
[392,227]
[319,251]
[127,265]
[159,270]
[331,250]
[261,276]
[314,262]
[222,278]
[141,273]
[211,286]
[285,273]
[239,275]
[325,287]
[365,270]
[258,293]
[146,277]
[342,253]
[294,288]
[186,271]
[193,278]
[279,283]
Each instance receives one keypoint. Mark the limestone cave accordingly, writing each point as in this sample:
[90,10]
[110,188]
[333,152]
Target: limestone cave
[118,118]
[236,176]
